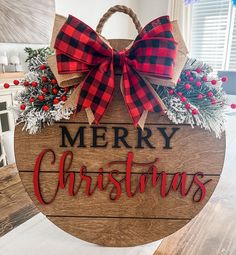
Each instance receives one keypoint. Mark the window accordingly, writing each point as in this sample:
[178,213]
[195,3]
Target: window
[213,38]
[232,55]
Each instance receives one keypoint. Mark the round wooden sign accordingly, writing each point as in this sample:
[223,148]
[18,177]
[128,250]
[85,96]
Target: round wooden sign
[115,185]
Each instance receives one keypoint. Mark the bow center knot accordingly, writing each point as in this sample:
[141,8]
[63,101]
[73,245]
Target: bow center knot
[119,59]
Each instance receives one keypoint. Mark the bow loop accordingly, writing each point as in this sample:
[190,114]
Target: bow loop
[79,46]
[154,57]
[154,50]
[160,27]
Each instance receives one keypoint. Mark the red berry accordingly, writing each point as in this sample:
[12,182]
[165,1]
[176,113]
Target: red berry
[42,67]
[34,84]
[56,101]
[187,86]
[194,112]
[179,80]
[26,83]
[180,94]
[200,97]
[66,89]
[233,106]
[198,84]
[213,82]
[54,91]
[210,94]
[183,99]
[204,79]
[6,85]
[54,81]
[188,73]
[22,107]
[44,79]
[188,106]
[16,82]
[45,108]
[191,78]
[171,91]
[41,97]
[45,90]
[63,98]
[224,79]
[32,99]
[213,101]
[198,70]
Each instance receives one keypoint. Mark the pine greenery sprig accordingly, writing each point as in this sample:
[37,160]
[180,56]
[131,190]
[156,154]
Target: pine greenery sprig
[41,102]
[37,57]
[198,99]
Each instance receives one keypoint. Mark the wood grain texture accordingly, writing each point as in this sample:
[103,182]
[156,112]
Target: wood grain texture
[15,205]
[90,218]
[26,21]
[118,232]
[149,205]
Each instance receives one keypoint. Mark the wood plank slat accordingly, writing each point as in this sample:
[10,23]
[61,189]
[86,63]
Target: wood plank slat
[115,232]
[202,149]
[172,206]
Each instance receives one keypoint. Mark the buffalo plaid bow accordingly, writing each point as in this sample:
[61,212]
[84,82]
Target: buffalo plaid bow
[80,49]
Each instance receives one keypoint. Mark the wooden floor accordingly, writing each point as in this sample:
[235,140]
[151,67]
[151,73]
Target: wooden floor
[15,205]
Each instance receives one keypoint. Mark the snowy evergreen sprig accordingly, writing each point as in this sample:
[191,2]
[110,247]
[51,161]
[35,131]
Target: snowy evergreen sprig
[41,102]
[37,57]
[35,120]
[198,99]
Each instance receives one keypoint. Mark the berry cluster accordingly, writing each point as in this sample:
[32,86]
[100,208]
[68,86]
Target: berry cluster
[42,93]
[194,85]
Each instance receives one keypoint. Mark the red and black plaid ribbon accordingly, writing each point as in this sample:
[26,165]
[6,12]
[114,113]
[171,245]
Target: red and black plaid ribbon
[80,49]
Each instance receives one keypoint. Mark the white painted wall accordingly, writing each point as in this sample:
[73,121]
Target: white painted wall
[90,11]
[119,25]
[148,10]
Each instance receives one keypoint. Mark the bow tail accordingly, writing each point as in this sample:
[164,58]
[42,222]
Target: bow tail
[96,92]
[140,97]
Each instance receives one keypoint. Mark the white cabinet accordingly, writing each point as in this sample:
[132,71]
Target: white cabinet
[7,122]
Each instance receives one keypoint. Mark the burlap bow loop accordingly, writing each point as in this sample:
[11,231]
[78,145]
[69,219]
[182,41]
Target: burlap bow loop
[89,61]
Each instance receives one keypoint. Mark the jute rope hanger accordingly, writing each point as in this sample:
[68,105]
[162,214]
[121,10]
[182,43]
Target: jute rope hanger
[119,8]
[126,10]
